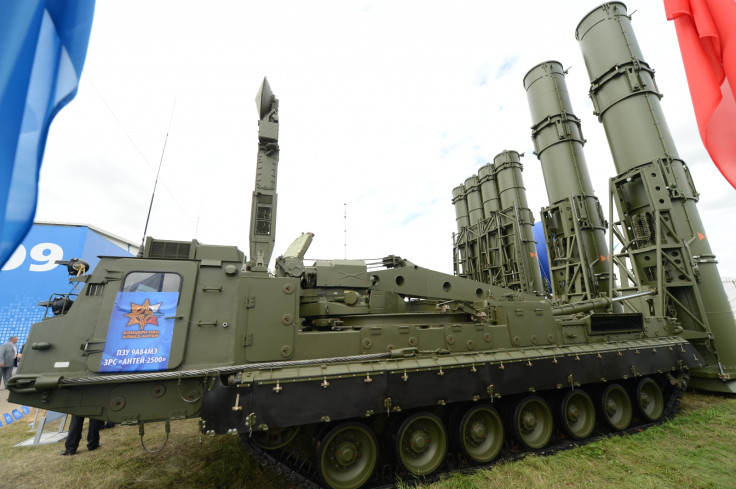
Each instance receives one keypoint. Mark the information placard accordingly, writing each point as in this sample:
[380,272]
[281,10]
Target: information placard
[140,332]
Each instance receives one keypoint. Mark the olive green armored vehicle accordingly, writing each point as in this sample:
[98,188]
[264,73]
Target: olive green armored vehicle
[347,373]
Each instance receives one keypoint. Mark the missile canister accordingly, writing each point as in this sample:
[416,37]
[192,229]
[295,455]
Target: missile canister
[654,193]
[489,194]
[461,208]
[517,221]
[474,199]
[573,223]
[488,189]
[624,94]
[460,245]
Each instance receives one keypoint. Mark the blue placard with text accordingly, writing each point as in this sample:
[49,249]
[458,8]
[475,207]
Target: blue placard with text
[140,332]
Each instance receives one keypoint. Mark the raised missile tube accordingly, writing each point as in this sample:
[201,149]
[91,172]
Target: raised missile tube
[521,262]
[573,223]
[654,193]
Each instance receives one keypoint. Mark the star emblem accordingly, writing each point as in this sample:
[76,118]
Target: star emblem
[142,314]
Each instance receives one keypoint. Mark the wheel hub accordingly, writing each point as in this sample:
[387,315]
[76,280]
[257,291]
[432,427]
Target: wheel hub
[644,399]
[478,432]
[528,420]
[419,441]
[611,407]
[346,453]
[573,413]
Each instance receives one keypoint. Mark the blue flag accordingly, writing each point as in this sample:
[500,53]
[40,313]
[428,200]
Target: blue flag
[43,44]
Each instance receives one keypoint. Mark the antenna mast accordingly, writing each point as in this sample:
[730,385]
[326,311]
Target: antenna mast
[155,184]
[263,208]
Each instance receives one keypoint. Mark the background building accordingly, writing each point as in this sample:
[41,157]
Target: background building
[31,275]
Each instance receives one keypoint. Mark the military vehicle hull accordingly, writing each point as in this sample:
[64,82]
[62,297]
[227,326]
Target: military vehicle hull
[266,398]
[363,372]
[399,365]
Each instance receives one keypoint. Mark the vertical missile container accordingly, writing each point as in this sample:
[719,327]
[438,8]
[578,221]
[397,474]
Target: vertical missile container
[489,194]
[654,194]
[573,223]
[516,226]
[460,249]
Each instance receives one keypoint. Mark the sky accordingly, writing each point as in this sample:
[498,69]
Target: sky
[385,106]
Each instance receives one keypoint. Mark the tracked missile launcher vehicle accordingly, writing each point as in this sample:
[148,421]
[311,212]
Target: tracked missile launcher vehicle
[347,373]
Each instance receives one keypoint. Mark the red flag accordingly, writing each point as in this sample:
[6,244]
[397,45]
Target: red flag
[706,30]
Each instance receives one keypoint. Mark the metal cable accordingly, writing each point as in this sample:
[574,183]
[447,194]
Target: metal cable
[110,379]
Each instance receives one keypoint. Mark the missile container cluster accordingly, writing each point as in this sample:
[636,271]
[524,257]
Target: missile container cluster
[348,373]
[495,240]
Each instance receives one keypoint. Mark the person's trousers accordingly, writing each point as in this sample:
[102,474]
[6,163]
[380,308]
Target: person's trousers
[7,372]
[75,433]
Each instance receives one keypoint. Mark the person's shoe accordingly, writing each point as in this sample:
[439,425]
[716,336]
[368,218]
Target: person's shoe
[94,447]
[68,452]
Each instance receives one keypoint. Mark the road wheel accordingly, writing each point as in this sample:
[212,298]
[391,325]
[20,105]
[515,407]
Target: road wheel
[421,443]
[478,431]
[577,414]
[347,455]
[616,407]
[649,399]
[532,422]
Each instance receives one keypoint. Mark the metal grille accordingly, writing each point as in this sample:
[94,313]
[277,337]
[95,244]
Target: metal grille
[95,289]
[169,249]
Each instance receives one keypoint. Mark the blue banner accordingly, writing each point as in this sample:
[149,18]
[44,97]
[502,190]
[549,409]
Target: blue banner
[140,332]
[32,274]
[8,418]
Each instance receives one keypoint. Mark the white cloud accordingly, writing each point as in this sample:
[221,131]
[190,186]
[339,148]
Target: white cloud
[384,106]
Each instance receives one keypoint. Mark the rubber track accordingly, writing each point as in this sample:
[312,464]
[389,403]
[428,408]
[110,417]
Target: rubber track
[302,473]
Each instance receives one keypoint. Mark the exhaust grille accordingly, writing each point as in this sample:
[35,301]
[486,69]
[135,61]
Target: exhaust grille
[176,250]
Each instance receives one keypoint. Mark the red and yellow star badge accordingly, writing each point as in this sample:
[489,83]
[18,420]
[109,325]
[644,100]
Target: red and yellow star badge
[142,314]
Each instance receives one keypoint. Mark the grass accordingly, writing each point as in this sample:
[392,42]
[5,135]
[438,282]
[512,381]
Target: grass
[695,450]
[185,462]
